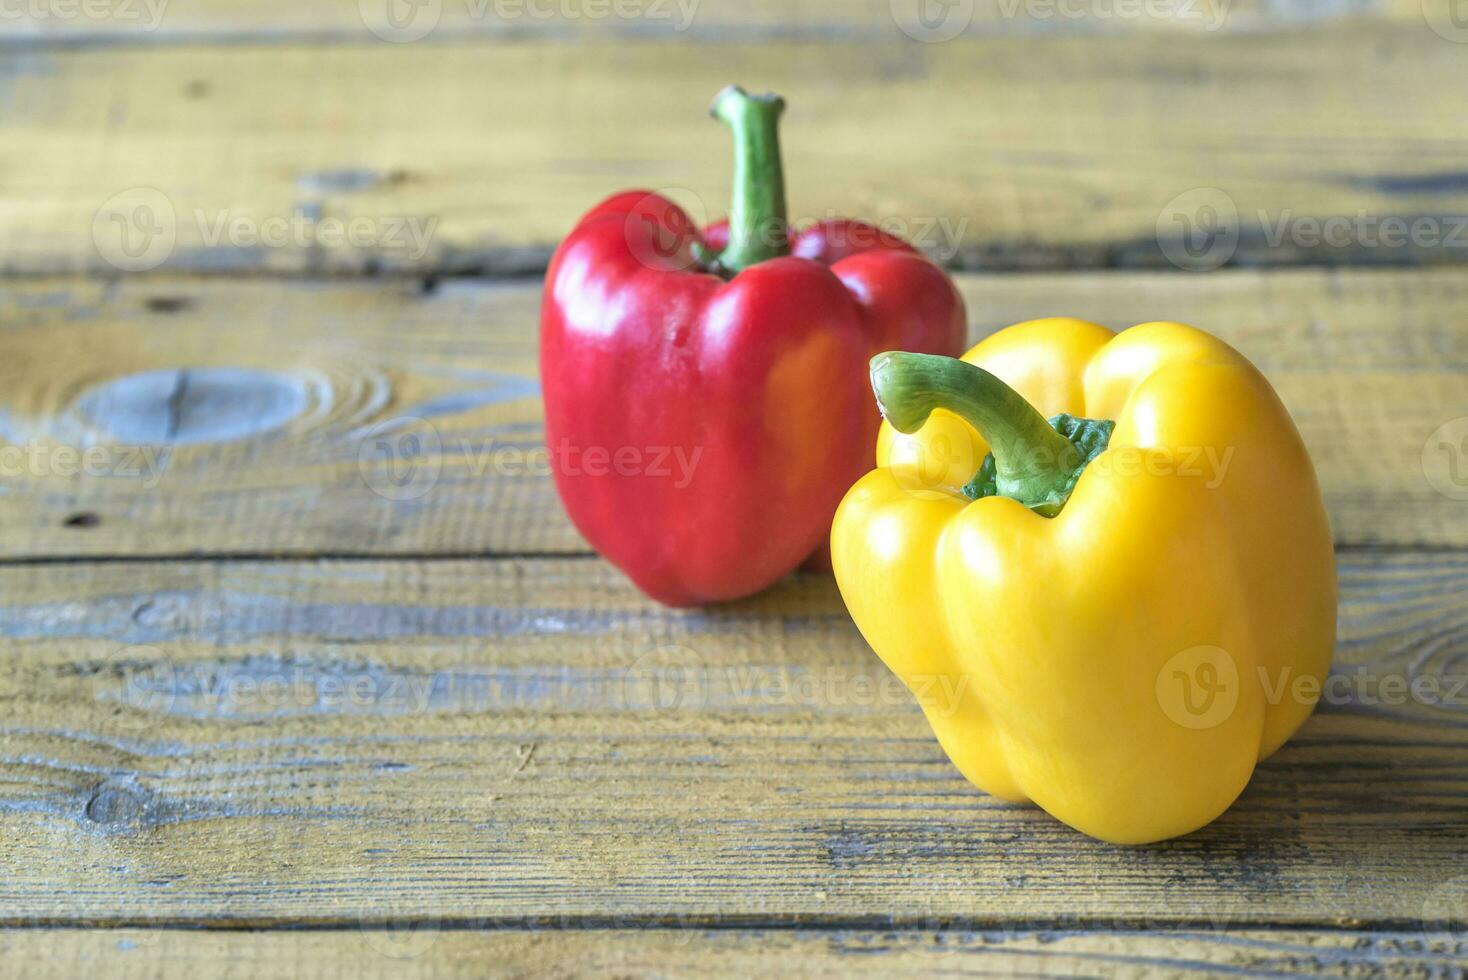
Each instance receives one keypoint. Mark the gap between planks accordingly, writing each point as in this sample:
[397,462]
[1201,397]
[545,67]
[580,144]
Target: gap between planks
[430,557]
[429,952]
[813,923]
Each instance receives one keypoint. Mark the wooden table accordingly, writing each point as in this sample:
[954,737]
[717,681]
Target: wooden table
[304,670]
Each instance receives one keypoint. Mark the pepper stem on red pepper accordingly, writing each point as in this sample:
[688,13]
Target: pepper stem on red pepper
[758,228]
[1033,461]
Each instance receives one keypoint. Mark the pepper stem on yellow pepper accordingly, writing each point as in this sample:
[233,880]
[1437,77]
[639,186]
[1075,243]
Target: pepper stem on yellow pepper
[1033,461]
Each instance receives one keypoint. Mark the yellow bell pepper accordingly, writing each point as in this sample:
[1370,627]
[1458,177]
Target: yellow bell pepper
[1114,622]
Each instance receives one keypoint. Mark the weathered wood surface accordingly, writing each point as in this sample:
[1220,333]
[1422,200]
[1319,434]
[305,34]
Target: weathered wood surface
[1040,151]
[168,416]
[346,21]
[428,950]
[450,755]
[256,744]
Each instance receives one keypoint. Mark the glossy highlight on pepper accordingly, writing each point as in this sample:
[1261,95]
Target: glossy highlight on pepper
[1125,608]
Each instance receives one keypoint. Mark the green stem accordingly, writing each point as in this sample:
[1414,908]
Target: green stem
[1033,463]
[758,228]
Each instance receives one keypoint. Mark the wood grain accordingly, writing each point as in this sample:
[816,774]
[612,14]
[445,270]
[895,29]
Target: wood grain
[416,764]
[202,416]
[430,951]
[1043,151]
[530,742]
[685,21]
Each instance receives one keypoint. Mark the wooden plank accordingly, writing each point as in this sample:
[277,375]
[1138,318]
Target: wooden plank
[508,742]
[169,416]
[1041,151]
[428,950]
[265,21]
[259,418]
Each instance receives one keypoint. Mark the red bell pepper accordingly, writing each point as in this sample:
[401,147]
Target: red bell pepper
[706,392]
